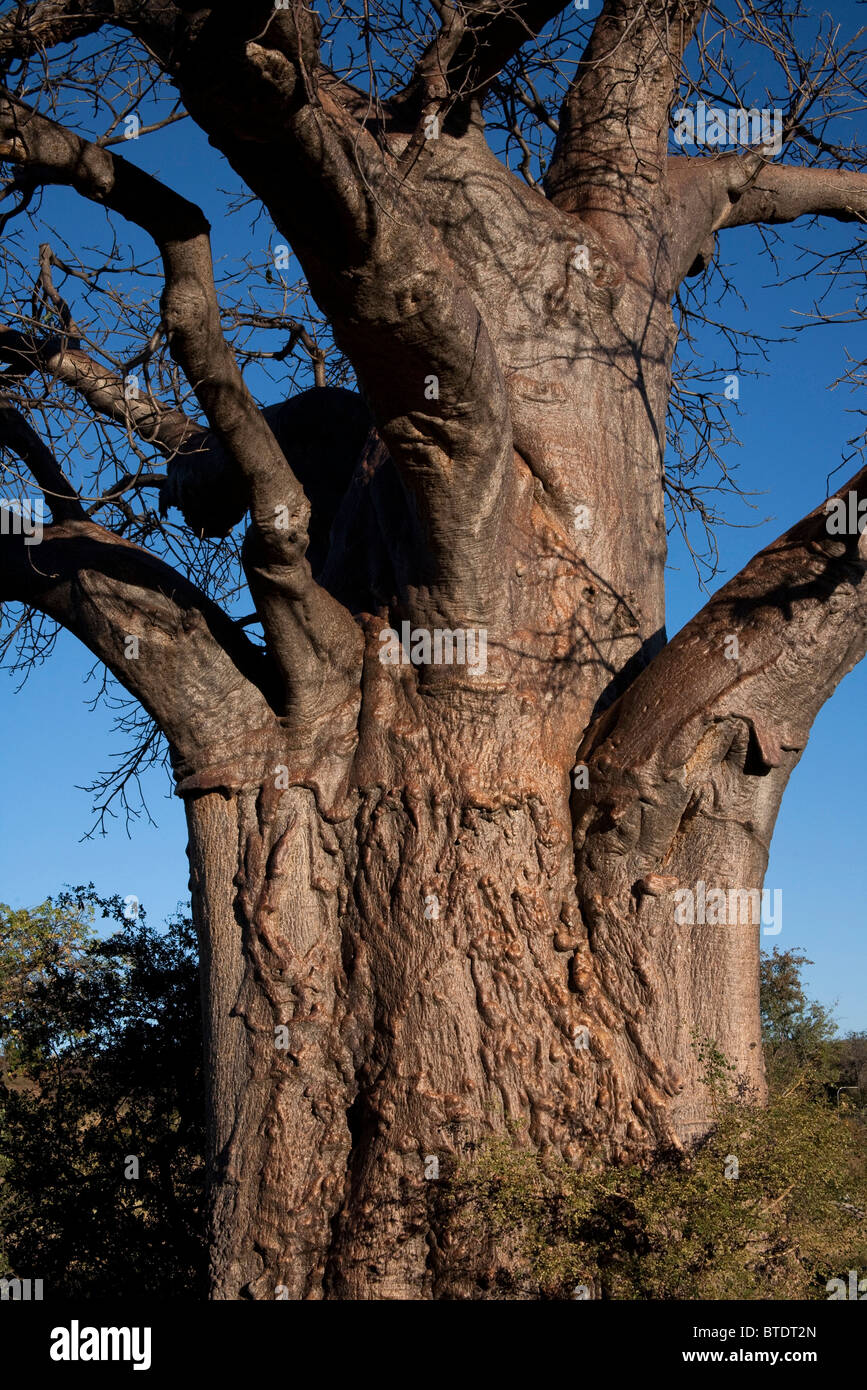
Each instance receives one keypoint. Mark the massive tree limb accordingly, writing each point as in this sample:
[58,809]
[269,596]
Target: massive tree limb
[740,190]
[395,299]
[610,156]
[311,634]
[686,774]
[168,645]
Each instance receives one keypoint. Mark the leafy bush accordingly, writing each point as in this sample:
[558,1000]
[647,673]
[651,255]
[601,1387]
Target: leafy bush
[100,1059]
[101,1063]
[797,1032]
[792,1218]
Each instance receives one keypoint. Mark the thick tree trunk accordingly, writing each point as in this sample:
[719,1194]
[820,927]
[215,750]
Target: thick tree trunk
[444,964]
[269,884]
[470,978]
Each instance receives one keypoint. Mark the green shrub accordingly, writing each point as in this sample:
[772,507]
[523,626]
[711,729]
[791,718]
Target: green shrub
[792,1218]
[100,1061]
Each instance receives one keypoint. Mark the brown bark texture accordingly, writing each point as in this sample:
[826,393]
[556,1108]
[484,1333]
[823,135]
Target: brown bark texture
[437,898]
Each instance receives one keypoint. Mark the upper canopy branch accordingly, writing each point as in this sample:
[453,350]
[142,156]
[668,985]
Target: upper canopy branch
[18,435]
[252,77]
[742,190]
[49,22]
[320,630]
[609,158]
[393,296]
[104,391]
[474,44]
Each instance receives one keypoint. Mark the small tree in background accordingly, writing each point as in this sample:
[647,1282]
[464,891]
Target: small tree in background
[797,1032]
[101,1101]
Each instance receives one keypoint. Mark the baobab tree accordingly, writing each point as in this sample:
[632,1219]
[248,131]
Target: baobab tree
[444,777]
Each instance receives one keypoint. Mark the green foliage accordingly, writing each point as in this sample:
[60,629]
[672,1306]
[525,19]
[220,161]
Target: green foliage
[796,1032]
[679,1229]
[34,944]
[101,1060]
[771,1204]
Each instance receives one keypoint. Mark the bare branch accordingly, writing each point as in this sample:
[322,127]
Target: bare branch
[474,44]
[746,190]
[17,434]
[313,630]
[49,22]
[173,649]
[610,155]
[105,391]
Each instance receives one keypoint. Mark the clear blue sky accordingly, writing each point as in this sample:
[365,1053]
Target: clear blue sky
[792,429]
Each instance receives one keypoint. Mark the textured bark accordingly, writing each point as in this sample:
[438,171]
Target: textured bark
[415,1035]
[391,862]
[266,888]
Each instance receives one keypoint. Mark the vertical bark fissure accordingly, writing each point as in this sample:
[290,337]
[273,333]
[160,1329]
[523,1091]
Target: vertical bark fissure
[279,1068]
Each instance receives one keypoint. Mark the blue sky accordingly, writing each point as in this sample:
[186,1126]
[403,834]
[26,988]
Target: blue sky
[792,429]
